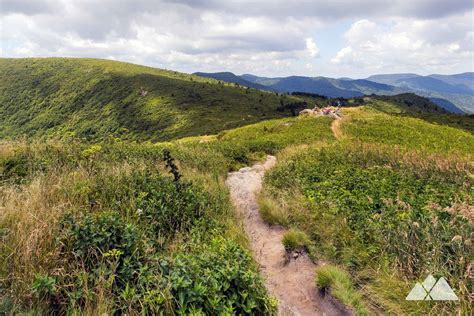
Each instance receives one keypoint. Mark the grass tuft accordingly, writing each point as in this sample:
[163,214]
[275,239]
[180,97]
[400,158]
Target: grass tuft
[296,240]
[271,212]
[338,282]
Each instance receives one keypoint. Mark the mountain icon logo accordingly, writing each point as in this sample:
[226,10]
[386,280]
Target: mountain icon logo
[432,290]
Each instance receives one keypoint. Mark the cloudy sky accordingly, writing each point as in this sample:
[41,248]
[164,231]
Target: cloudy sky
[268,37]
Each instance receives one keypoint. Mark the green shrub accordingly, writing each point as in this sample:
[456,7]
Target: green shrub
[15,167]
[264,146]
[92,239]
[219,279]
[44,286]
[236,153]
[122,256]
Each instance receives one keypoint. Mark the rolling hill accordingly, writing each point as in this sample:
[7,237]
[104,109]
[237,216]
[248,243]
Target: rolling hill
[454,93]
[91,99]
[329,87]
[230,77]
[391,79]
[466,79]
[457,89]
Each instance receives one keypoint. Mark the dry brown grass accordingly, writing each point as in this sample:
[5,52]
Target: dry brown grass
[6,148]
[30,214]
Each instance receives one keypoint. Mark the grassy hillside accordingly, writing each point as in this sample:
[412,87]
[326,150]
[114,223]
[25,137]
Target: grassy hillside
[109,225]
[391,202]
[93,99]
[409,105]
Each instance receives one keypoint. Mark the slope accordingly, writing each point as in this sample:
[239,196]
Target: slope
[466,79]
[91,99]
[104,229]
[377,203]
[456,89]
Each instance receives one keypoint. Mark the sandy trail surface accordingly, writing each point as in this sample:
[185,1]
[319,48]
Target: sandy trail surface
[336,128]
[290,281]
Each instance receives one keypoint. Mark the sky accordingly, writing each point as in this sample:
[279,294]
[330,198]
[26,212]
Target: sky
[337,38]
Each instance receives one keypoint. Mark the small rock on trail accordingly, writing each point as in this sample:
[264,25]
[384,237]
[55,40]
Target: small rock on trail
[291,282]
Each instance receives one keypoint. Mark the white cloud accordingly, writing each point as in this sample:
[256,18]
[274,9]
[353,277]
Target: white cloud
[312,48]
[342,55]
[264,37]
[407,45]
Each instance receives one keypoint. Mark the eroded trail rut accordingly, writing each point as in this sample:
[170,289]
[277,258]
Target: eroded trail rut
[292,283]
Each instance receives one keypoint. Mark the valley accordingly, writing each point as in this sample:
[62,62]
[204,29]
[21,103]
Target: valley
[454,93]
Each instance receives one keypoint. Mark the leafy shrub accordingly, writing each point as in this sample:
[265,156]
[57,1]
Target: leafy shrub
[219,279]
[94,237]
[264,146]
[121,256]
[15,166]
[44,286]
[163,207]
[91,151]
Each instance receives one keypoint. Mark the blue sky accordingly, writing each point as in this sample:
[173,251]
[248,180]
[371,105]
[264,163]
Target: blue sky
[270,38]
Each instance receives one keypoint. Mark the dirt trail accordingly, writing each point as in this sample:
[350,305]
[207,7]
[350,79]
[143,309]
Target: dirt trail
[336,128]
[292,283]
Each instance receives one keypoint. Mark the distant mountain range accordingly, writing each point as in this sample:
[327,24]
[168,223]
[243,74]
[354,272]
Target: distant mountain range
[230,77]
[454,93]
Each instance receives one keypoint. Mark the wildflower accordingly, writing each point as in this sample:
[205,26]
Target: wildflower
[139,211]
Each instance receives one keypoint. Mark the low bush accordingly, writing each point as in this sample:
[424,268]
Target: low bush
[16,167]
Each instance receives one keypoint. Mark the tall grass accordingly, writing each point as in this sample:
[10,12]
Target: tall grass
[64,226]
[339,284]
